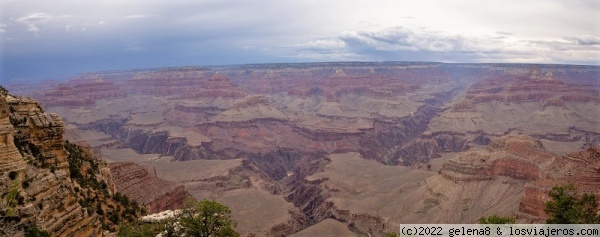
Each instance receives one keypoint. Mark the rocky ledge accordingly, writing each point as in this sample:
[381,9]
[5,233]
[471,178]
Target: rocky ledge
[524,158]
[143,186]
[55,185]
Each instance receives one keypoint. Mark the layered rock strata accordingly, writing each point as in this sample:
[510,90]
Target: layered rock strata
[34,168]
[144,187]
[83,91]
[58,187]
[283,120]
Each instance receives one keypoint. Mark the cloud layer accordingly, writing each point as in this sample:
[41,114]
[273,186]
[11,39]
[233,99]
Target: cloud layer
[417,44]
[74,36]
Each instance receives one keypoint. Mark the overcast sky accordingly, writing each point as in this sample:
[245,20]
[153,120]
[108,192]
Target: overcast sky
[43,38]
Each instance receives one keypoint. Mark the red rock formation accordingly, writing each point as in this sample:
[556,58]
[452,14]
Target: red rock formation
[171,200]
[389,83]
[582,169]
[139,184]
[531,87]
[83,91]
[516,168]
[268,142]
[524,158]
[533,202]
[217,86]
[587,175]
[570,169]
[252,101]
[168,81]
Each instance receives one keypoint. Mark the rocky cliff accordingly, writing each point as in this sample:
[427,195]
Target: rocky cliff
[511,176]
[524,158]
[580,169]
[535,85]
[144,187]
[83,91]
[517,157]
[168,81]
[536,102]
[41,177]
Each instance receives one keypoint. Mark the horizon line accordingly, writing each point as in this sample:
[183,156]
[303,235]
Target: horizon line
[53,77]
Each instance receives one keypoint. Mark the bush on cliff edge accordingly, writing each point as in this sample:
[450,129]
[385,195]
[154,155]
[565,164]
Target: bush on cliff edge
[566,207]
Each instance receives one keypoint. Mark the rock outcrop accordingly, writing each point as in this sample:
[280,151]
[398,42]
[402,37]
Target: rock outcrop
[167,81]
[217,86]
[581,169]
[544,103]
[49,197]
[144,187]
[524,158]
[511,176]
[536,86]
[517,157]
[38,185]
[83,91]
[11,158]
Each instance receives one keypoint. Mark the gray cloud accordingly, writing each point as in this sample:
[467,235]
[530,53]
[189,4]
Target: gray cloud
[399,40]
[421,44]
[586,40]
[504,33]
[73,35]
[138,16]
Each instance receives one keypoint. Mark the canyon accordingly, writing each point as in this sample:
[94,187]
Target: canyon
[356,148]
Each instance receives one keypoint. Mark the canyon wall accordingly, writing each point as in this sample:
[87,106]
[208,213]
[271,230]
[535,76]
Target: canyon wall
[144,187]
[35,176]
[511,125]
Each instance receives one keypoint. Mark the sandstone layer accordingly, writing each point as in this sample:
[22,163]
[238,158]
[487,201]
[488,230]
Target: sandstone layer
[143,186]
[363,145]
[48,183]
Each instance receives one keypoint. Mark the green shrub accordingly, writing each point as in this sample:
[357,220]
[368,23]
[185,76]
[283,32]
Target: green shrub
[565,207]
[34,231]
[12,175]
[206,218]
[495,219]
[136,230]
